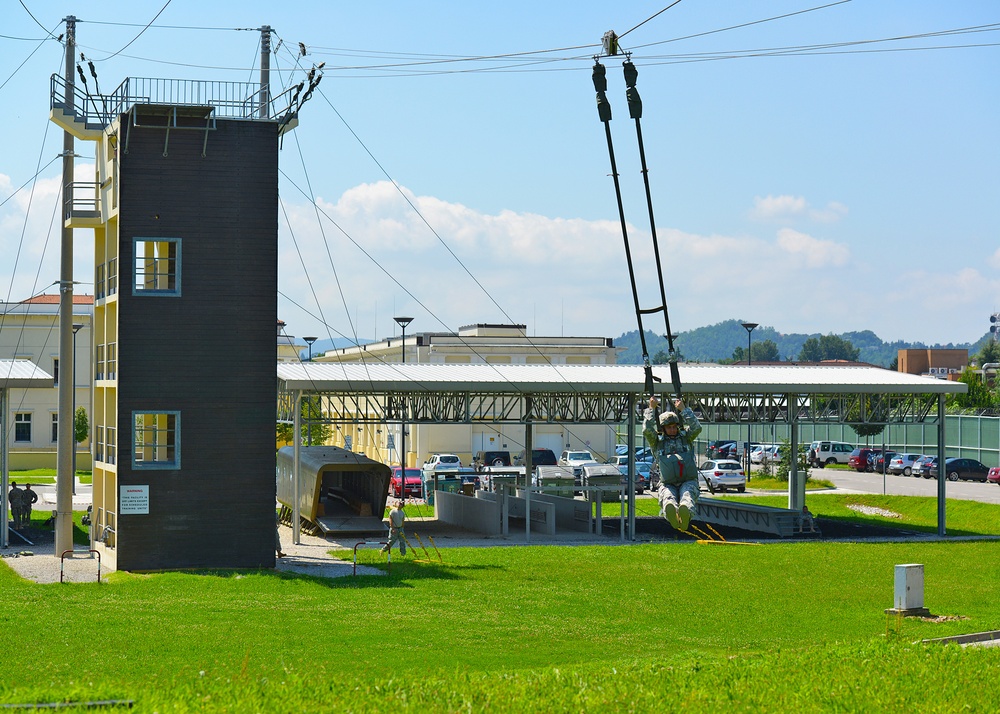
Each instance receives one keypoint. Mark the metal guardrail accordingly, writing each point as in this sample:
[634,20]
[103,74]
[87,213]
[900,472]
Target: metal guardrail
[231,100]
[372,544]
[62,561]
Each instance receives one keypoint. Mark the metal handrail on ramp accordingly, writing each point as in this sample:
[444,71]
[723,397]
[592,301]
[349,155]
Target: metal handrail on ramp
[783,522]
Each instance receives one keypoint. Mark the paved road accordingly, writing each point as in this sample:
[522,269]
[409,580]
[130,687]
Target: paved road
[908,486]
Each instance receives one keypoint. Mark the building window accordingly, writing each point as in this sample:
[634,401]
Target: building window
[55,428]
[156,440]
[55,371]
[157,266]
[22,427]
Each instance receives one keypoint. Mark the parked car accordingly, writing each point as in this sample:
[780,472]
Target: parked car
[722,475]
[735,450]
[880,461]
[994,475]
[922,466]
[490,458]
[767,454]
[576,459]
[413,486]
[714,447]
[642,469]
[965,469]
[826,453]
[861,459]
[902,464]
[442,462]
[539,457]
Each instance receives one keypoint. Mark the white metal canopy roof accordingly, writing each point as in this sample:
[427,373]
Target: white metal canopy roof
[622,379]
[23,374]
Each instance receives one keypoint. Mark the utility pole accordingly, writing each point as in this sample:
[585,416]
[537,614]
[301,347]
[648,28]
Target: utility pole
[64,462]
[265,70]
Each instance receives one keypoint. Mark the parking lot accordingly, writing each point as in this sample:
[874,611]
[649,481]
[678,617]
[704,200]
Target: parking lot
[906,485]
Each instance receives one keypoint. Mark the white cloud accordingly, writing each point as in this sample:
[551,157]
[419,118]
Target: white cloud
[788,208]
[994,259]
[832,213]
[813,252]
[557,275]
[773,208]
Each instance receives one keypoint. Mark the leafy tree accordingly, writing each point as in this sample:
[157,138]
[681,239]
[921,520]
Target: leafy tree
[989,353]
[81,425]
[979,396]
[874,408]
[784,466]
[763,351]
[663,357]
[314,434]
[867,430]
[828,347]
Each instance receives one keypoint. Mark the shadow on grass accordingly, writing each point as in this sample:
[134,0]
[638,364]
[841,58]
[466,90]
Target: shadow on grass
[875,527]
[398,576]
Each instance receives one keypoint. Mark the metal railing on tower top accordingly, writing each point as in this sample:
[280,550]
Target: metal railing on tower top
[231,100]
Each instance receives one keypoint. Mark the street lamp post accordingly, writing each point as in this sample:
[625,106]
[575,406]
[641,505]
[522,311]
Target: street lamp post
[402,322]
[76,328]
[749,327]
[309,425]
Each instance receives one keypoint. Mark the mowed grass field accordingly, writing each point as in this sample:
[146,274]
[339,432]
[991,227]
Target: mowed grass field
[677,626]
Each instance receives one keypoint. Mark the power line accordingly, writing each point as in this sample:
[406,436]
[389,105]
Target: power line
[649,18]
[48,32]
[139,35]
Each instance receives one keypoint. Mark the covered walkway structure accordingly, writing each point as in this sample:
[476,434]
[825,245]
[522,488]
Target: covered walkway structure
[358,393]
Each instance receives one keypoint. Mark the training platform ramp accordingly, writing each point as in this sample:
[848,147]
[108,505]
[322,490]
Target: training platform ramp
[483,512]
[340,492]
[783,522]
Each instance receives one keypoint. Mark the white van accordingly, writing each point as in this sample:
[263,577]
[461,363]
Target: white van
[823,453]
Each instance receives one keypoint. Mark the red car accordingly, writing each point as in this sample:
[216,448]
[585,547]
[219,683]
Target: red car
[860,459]
[994,475]
[414,483]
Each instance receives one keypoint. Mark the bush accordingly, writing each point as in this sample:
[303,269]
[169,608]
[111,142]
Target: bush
[784,467]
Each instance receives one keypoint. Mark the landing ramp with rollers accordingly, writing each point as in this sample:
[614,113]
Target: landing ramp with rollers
[783,522]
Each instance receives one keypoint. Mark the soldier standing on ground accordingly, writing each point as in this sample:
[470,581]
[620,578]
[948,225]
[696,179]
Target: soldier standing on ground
[28,499]
[396,535]
[14,499]
[277,536]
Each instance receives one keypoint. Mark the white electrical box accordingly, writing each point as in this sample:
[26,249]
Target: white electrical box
[909,590]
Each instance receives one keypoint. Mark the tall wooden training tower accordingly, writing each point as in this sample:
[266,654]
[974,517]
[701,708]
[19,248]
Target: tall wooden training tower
[184,211]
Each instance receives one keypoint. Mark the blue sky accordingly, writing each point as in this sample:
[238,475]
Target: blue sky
[813,190]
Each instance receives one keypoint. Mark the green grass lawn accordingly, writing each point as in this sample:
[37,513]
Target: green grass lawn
[46,476]
[676,627]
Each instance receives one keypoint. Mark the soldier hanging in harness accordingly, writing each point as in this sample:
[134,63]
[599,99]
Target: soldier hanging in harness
[671,436]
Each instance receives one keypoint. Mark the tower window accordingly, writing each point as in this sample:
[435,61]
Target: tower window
[157,266]
[156,440]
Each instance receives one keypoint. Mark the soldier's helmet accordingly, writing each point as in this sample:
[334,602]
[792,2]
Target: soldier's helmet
[669,418]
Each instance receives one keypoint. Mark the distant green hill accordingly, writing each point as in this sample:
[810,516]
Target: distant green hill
[717,342]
